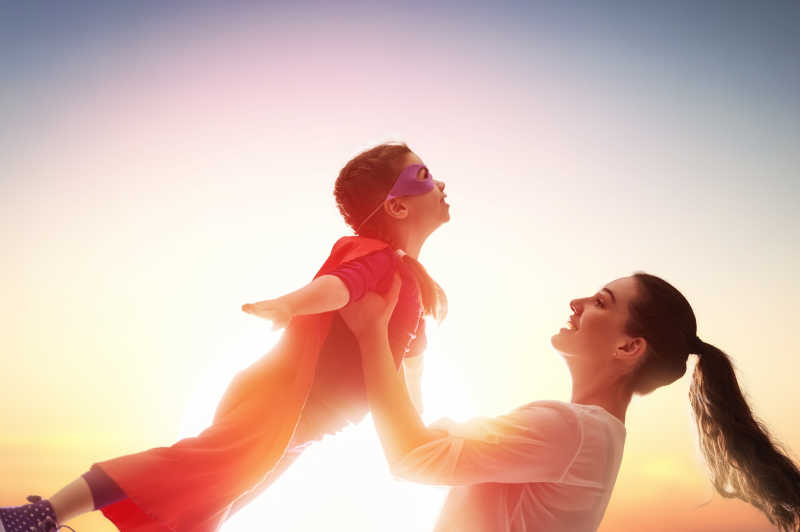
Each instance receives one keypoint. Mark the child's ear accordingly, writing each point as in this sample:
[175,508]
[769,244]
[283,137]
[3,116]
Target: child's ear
[396,208]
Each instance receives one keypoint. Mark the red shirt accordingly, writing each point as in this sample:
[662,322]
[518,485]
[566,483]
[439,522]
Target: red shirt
[338,395]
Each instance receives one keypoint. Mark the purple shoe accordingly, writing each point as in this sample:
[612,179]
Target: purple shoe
[37,516]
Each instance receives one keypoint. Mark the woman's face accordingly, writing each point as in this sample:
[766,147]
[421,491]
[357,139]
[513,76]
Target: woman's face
[429,210]
[596,328]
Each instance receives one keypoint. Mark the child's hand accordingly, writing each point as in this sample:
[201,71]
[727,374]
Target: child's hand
[273,310]
[370,315]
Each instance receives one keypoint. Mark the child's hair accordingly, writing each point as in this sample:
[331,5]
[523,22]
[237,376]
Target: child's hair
[362,185]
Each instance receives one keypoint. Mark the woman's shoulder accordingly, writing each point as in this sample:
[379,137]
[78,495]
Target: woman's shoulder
[547,416]
[579,412]
[545,408]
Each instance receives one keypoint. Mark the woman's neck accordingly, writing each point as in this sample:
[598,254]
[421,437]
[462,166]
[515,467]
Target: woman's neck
[609,393]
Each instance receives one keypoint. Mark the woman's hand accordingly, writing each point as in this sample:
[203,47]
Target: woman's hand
[370,315]
[274,310]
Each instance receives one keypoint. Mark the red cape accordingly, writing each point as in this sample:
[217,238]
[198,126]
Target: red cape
[192,485]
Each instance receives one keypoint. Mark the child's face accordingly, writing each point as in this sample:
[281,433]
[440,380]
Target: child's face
[429,210]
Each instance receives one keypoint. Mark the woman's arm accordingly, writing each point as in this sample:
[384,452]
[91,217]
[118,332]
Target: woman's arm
[323,294]
[412,369]
[529,445]
[397,421]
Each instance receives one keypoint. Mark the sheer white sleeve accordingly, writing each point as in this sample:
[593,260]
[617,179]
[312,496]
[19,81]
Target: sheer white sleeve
[534,443]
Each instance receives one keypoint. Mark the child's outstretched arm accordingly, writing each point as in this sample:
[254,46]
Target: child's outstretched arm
[323,294]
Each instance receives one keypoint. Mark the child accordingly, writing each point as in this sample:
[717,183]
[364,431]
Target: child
[309,385]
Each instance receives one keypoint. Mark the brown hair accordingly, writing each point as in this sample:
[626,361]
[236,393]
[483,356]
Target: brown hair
[744,461]
[361,187]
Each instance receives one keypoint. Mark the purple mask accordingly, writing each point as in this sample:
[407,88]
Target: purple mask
[406,184]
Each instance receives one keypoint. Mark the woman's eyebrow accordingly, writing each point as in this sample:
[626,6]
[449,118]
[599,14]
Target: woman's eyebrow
[613,299]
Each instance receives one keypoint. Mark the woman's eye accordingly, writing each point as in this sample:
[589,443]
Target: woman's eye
[599,302]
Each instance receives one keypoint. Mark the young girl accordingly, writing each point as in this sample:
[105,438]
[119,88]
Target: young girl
[551,465]
[309,385]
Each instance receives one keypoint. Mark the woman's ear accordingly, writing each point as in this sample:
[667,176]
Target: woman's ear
[632,349]
[396,208]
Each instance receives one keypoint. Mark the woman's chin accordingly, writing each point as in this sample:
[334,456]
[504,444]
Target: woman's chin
[556,340]
[559,340]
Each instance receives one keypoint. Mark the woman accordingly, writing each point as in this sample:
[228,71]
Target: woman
[550,465]
[309,385]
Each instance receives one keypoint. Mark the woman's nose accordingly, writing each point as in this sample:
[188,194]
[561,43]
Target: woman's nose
[575,305]
[440,184]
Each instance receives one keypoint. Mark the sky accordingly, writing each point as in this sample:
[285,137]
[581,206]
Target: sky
[162,164]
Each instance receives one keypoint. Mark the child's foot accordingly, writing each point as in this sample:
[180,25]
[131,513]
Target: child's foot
[38,516]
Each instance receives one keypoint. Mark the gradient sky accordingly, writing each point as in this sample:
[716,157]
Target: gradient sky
[160,166]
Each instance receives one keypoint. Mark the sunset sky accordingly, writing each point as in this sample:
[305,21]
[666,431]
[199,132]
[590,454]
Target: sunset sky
[162,165]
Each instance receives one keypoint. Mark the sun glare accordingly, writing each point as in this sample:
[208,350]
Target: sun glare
[237,352]
[342,481]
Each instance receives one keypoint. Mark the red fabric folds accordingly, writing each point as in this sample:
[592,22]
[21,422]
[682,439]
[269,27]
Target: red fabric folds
[191,485]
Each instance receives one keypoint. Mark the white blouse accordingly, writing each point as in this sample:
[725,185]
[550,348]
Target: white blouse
[547,465]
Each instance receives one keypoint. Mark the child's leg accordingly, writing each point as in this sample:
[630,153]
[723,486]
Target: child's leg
[316,421]
[91,491]
[288,459]
[72,500]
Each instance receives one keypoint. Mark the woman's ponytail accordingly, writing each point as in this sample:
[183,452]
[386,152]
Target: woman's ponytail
[743,459]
